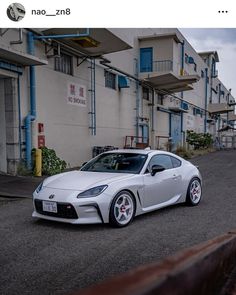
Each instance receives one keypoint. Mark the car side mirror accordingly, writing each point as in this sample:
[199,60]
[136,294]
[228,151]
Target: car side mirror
[156,169]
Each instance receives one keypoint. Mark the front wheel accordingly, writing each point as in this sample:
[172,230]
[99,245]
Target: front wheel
[122,209]
[194,193]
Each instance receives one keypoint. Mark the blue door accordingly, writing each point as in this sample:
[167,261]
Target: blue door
[146,59]
[175,131]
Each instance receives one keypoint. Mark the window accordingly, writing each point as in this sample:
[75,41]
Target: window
[176,162]
[146,93]
[110,80]
[64,64]
[162,160]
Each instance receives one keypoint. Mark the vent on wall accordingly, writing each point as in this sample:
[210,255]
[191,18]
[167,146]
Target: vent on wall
[123,82]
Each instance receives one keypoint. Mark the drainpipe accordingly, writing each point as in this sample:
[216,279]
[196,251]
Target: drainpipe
[152,123]
[170,138]
[137,97]
[137,109]
[206,90]
[32,114]
[219,118]
[19,116]
[182,93]
[182,58]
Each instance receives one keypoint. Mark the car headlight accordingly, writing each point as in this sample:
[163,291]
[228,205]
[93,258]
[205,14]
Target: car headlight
[39,188]
[92,192]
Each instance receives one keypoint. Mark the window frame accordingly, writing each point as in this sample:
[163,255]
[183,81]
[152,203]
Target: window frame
[110,80]
[64,64]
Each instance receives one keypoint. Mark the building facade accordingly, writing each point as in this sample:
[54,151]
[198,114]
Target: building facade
[81,90]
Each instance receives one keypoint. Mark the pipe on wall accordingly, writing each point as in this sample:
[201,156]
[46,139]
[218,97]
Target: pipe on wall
[219,118]
[93,125]
[182,93]
[182,58]
[32,114]
[19,116]
[206,91]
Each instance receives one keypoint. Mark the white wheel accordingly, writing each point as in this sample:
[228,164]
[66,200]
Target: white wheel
[122,209]
[194,193]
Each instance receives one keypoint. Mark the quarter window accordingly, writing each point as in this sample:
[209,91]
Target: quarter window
[64,64]
[176,162]
[162,160]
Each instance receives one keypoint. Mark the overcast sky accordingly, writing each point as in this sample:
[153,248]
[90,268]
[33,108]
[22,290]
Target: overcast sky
[224,42]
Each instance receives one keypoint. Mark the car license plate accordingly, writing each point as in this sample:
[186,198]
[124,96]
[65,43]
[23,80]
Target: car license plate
[50,206]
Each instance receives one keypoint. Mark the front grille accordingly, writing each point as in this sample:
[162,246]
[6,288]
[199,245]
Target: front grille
[64,210]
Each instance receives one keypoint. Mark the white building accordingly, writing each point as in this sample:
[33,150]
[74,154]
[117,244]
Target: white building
[83,88]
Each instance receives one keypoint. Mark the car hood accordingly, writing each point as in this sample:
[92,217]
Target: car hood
[82,180]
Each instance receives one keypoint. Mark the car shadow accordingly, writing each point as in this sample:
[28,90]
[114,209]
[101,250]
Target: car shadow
[105,226]
[71,227]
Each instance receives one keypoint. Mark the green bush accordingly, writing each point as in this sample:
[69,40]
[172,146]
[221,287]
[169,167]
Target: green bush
[199,140]
[51,163]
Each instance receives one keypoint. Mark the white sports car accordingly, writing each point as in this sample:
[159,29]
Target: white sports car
[116,186]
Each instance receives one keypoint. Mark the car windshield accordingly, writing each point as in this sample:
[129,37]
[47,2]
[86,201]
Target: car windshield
[116,163]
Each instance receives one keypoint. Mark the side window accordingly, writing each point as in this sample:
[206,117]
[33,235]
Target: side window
[176,162]
[163,160]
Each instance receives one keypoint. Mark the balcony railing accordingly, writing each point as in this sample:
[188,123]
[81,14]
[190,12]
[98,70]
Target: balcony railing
[157,66]
[162,66]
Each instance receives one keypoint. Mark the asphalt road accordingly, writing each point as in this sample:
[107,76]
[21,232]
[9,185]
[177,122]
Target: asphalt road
[41,257]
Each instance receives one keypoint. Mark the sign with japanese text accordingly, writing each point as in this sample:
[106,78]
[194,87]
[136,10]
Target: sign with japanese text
[76,94]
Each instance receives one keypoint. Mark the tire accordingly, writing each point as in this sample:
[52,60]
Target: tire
[194,192]
[122,209]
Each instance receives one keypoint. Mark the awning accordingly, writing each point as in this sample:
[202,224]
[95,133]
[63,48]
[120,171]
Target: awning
[99,41]
[19,57]
[170,82]
[219,108]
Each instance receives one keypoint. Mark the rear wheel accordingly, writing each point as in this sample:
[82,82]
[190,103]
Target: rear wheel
[194,193]
[122,209]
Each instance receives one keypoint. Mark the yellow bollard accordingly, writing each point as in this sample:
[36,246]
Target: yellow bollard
[38,162]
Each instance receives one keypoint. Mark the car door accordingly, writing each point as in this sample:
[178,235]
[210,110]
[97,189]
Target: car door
[165,185]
